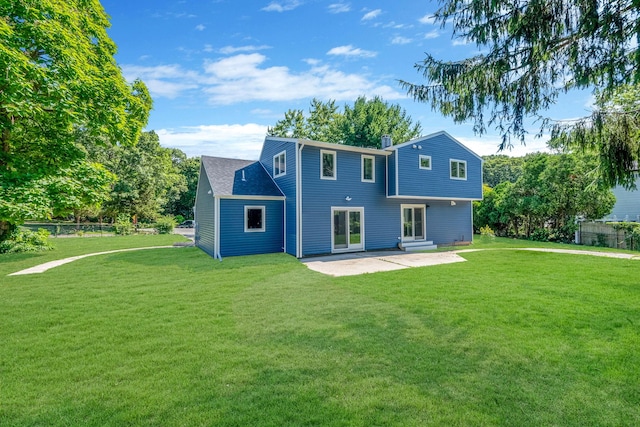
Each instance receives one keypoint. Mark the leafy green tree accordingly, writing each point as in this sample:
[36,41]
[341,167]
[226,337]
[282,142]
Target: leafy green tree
[499,168]
[532,52]
[58,74]
[147,180]
[361,125]
[184,201]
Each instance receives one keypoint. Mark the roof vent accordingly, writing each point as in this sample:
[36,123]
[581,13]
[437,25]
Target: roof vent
[386,141]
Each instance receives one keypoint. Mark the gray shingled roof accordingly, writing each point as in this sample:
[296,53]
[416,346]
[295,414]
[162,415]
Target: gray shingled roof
[226,177]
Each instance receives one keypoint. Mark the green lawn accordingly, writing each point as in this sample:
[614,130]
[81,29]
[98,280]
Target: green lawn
[171,337]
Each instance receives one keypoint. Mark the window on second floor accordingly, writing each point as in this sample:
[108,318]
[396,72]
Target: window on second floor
[425,162]
[328,167]
[458,169]
[368,169]
[280,164]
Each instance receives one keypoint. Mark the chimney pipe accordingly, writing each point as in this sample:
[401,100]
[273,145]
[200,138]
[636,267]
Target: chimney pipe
[386,141]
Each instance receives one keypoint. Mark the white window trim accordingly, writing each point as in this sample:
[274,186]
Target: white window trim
[424,221]
[277,156]
[466,172]
[335,165]
[422,156]
[246,220]
[373,168]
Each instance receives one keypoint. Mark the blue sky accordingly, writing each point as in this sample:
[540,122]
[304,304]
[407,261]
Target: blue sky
[221,71]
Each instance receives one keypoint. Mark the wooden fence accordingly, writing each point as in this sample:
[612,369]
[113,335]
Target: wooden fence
[601,234]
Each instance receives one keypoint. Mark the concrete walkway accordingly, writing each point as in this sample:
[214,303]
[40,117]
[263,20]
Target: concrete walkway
[51,264]
[372,262]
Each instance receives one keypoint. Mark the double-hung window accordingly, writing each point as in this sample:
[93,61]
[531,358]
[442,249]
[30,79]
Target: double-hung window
[458,169]
[368,169]
[328,167]
[280,164]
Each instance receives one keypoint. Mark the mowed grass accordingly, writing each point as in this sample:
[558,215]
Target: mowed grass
[171,337]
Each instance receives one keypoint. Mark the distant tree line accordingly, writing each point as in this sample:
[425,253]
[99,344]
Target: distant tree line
[540,196]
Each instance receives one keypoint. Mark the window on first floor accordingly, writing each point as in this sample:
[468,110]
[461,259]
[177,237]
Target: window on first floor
[254,218]
[328,164]
[458,169]
[368,169]
[280,164]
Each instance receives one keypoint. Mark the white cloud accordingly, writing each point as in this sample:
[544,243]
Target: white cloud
[240,79]
[349,50]
[282,6]
[427,19]
[208,48]
[485,146]
[461,42]
[200,27]
[241,141]
[400,40]
[371,15]
[433,34]
[339,7]
[227,50]
[244,78]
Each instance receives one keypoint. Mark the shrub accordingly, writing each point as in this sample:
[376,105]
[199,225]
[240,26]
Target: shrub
[23,240]
[179,219]
[540,235]
[165,225]
[123,226]
[487,231]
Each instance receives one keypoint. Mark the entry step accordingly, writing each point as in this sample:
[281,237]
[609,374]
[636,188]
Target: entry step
[425,245]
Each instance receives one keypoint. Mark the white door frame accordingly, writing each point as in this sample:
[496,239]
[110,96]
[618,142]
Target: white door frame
[350,248]
[424,222]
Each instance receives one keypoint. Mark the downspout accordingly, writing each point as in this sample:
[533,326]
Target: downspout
[299,200]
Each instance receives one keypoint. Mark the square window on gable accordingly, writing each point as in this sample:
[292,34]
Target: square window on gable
[280,164]
[254,218]
[368,169]
[425,162]
[328,167]
[458,169]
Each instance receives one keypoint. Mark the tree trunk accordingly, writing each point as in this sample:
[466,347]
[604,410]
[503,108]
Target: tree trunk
[6,228]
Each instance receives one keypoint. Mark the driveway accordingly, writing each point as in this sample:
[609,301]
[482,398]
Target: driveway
[372,262]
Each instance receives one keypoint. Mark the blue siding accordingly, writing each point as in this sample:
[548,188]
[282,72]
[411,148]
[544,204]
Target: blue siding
[437,182]
[391,185]
[318,196]
[235,241]
[287,183]
[627,207]
[204,215]
[448,224]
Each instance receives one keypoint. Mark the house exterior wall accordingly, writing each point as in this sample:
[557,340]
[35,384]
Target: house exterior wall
[391,173]
[437,182]
[627,207]
[234,240]
[287,184]
[204,216]
[382,220]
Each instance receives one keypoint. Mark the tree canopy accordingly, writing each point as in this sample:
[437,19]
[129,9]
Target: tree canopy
[534,50]
[58,75]
[362,124]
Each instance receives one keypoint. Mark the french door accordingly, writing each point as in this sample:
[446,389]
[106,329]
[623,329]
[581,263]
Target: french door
[348,229]
[413,222]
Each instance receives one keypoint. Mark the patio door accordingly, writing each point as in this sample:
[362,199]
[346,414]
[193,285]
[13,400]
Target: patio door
[348,229]
[413,222]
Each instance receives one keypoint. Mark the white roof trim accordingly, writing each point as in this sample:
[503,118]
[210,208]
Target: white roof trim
[430,136]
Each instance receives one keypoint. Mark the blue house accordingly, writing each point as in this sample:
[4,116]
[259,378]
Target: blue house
[307,197]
